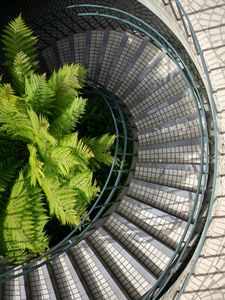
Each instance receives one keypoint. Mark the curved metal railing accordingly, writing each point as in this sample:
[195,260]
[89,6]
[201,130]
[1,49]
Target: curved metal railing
[181,15]
[106,197]
[136,25]
[115,17]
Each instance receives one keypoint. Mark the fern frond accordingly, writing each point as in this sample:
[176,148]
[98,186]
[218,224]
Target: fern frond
[38,94]
[21,68]
[22,123]
[79,149]
[40,126]
[68,77]
[14,122]
[8,171]
[63,159]
[19,37]
[65,83]
[86,188]
[69,117]
[23,216]
[35,165]
[101,149]
[8,93]
[61,200]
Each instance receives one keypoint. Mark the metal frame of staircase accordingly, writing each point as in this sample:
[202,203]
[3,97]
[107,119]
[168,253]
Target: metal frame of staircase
[191,240]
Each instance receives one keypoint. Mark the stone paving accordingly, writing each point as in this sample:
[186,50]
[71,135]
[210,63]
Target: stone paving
[208,279]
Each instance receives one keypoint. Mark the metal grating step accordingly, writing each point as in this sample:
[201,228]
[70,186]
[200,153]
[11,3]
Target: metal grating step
[178,152]
[134,279]
[179,129]
[148,251]
[99,282]
[14,289]
[67,280]
[173,201]
[181,176]
[39,285]
[164,227]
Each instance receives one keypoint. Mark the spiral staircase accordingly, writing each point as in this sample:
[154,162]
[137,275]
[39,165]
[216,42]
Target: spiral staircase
[147,244]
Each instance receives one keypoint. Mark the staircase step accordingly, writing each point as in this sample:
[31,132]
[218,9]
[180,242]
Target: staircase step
[99,282]
[40,284]
[166,228]
[67,280]
[179,129]
[79,40]
[147,250]
[152,82]
[130,67]
[97,65]
[141,67]
[96,42]
[171,86]
[181,176]
[178,152]
[144,67]
[170,110]
[123,61]
[171,200]
[112,51]
[134,279]
[14,289]
[63,47]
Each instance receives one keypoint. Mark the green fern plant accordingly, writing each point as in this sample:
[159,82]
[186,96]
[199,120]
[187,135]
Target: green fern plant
[46,170]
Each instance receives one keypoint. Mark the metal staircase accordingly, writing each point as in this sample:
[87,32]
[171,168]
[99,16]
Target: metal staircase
[147,237]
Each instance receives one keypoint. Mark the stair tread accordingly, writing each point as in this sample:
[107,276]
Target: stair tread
[132,276]
[160,224]
[14,289]
[150,252]
[40,285]
[100,283]
[181,176]
[67,279]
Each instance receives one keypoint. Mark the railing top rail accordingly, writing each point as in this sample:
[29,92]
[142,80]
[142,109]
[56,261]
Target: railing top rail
[189,27]
[118,119]
[138,24]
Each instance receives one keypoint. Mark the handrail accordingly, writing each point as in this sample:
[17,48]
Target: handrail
[145,29]
[185,20]
[162,43]
[111,182]
[167,271]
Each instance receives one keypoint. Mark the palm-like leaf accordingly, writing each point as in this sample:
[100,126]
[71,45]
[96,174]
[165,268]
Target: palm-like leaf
[19,37]
[65,83]
[8,172]
[22,67]
[81,152]
[68,118]
[101,149]
[67,80]
[38,94]
[86,188]
[36,166]
[61,200]
[63,160]
[38,143]
[23,123]
[40,126]
[22,229]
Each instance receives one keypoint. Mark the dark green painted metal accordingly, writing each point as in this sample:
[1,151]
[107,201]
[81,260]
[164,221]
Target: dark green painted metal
[142,27]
